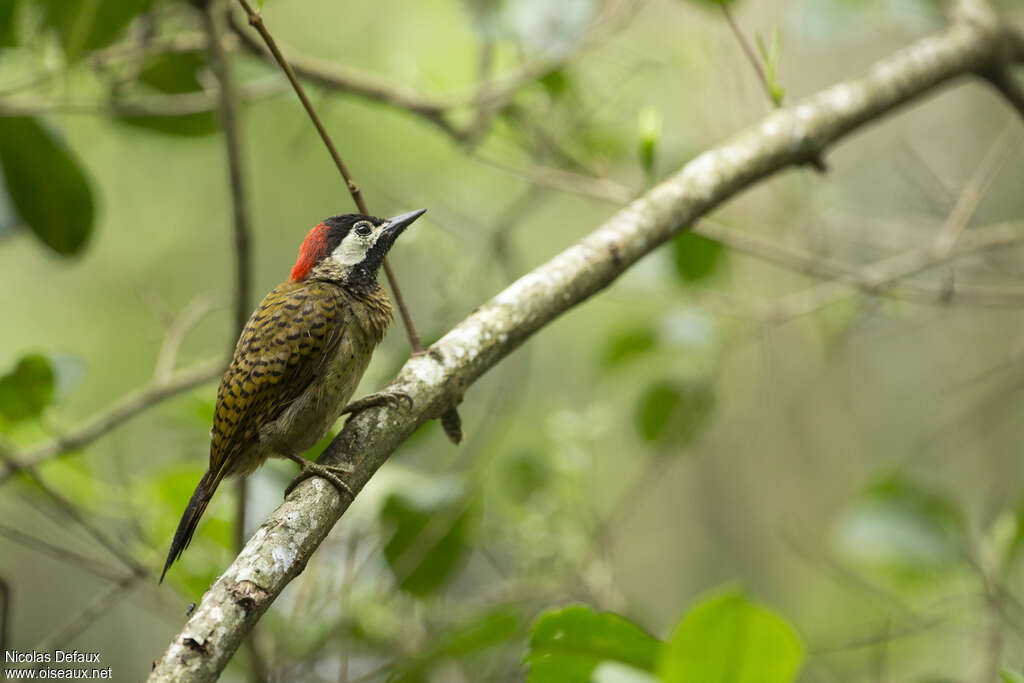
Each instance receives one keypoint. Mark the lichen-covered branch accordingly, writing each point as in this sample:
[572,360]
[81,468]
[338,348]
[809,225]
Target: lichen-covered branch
[436,380]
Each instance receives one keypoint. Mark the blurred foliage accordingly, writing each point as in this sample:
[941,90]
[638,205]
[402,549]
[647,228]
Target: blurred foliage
[448,556]
[770,55]
[674,411]
[27,389]
[487,631]
[727,637]
[83,25]
[8,9]
[627,344]
[724,637]
[900,525]
[649,135]
[568,643]
[428,532]
[175,74]
[696,257]
[46,184]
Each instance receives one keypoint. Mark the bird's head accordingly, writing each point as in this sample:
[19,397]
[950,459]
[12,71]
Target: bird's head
[349,248]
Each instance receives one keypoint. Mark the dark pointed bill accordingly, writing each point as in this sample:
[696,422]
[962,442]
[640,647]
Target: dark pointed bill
[396,224]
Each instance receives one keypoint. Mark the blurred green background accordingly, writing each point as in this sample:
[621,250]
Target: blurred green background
[847,471]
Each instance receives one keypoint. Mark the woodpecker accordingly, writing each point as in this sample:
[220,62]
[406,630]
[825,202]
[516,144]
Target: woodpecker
[299,359]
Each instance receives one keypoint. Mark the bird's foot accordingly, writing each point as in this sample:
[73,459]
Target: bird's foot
[381,398]
[314,469]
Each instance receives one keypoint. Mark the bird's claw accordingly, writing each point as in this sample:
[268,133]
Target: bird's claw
[381,398]
[328,472]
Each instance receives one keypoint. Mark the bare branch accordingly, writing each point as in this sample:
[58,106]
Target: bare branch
[94,610]
[281,547]
[748,50]
[343,79]
[148,106]
[887,271]
[127,407]
[213,18]
[229,117]
[880,278]
[61,553]
[1003,80]
[486,98]
[177,330]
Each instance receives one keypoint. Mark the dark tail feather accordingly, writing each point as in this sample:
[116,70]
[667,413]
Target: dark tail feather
[190,520]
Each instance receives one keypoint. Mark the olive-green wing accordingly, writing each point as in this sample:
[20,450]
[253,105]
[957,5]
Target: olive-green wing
[282,348]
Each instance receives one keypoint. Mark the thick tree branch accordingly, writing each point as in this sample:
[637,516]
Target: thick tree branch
[281,547]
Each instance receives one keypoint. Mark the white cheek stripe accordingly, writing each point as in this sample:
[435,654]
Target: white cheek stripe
[351,251]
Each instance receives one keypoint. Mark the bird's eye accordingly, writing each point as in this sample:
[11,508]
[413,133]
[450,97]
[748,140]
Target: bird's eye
[363,229]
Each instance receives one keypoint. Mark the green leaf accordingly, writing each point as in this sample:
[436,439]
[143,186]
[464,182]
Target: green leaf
[674,411]
[174,73]
[555,83]
[1014,544]
[728,638]
[627,344]
[900,525]
[523,474]
[27,389]
[8,25]
[696,257]
[429,536]
[88,24]
[1011,676]
[489,630]
[187,125]
[568,643]
[649,124]
[47,186]
[770,57]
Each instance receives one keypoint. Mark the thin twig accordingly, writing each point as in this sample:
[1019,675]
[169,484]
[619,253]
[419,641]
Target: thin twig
[149,106]
[61,553]
[125,408]
[72,512]
[256,21]
[177,330]
[1003,79]
[229,115]
[213,16]
[604,189]
[815,160]
[748,50]
[883,273]
[89,614]
[436,110]
[900,266]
